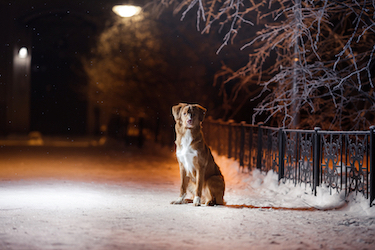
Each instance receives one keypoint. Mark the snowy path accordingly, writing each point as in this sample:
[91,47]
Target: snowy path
[101,198]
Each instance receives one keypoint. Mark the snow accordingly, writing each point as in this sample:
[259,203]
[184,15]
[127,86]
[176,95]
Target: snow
[119,198]
[264,189]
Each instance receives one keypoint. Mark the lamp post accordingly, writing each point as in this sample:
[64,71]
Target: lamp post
[296,64]
[19,92]
[97,116]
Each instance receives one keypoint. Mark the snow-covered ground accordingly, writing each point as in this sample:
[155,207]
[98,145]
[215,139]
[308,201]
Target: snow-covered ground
[119,198]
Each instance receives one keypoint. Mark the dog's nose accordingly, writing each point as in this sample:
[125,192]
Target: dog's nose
[190,121]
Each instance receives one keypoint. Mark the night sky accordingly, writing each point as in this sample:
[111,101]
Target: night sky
[59,34]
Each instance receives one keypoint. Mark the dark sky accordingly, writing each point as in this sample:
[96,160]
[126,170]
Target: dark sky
[59,33]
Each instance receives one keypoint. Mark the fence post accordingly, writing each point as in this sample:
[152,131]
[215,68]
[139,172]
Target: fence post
[281,153]
[157,129]
[207,130]
[372,164]
[230,139]
[260,145]
[140,132]
[250,148]
[316,158]
[218,136]
[242,143]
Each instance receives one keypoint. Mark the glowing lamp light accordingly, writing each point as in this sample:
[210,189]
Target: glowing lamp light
[126,10]
[23,53]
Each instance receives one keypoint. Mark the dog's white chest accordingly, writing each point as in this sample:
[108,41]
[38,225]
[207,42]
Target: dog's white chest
[186,153]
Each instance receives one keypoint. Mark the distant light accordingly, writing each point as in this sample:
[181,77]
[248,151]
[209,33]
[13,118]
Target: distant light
[126,10]
[23,52]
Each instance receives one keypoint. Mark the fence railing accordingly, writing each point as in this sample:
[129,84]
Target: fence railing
[339,160]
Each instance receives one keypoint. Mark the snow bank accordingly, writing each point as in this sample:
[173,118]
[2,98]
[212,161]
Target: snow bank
[264,190]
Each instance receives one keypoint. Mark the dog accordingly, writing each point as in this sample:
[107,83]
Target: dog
[198,171]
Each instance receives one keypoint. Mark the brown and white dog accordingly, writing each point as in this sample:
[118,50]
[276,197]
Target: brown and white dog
[198,171]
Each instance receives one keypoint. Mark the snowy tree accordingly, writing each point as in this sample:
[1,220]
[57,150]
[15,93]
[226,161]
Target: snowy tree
[314,60]
[136,69]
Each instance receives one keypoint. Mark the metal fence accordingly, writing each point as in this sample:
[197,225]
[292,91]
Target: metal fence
[339,160]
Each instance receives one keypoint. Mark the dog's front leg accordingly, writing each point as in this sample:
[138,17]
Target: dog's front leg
[184,184]
[198,190]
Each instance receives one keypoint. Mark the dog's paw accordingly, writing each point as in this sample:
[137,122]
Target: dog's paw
[197,201]
[180,200]
[211,203]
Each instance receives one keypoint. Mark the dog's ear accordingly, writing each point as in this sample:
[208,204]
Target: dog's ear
[201,112]
[176,111]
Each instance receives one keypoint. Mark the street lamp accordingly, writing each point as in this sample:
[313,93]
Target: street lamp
[18,111]
[23,53]
[126,10]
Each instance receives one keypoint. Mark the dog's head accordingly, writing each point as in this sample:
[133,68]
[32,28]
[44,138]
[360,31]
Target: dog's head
[188,115]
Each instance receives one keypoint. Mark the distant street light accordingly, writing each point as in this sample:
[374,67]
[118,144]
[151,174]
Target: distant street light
[23,53]
[18,115]
[126,10]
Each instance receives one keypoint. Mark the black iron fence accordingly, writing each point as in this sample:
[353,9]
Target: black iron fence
[339,160]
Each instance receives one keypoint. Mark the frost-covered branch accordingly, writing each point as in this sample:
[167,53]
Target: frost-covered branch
[313,60]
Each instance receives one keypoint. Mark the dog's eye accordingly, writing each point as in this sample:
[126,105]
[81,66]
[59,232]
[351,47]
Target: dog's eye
[185,113]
